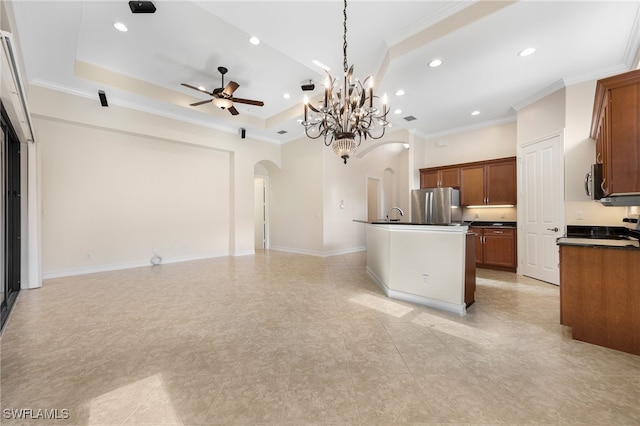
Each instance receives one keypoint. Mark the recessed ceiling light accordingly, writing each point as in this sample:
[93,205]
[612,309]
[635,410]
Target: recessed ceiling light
[286,96]
[400,92]
[120,26]
[254,40]
[398,111]
[475,113]
[435,63]
[321,65]
[528,51]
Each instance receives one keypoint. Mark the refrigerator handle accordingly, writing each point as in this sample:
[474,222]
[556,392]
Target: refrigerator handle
[429,207]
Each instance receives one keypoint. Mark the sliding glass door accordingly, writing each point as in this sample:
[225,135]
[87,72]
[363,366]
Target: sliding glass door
[10,228]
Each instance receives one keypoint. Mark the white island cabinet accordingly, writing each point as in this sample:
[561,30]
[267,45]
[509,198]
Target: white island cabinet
[428,265]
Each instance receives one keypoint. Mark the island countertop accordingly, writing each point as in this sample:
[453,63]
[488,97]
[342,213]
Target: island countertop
[404,222]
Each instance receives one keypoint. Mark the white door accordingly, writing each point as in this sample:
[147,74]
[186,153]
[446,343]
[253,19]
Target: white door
[541,208]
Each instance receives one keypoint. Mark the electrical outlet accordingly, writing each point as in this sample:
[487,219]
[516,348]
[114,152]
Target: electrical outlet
[425,279]
[579,215]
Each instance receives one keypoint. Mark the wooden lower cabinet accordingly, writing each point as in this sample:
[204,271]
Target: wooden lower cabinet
[600,296]
[496,248]
[470,270]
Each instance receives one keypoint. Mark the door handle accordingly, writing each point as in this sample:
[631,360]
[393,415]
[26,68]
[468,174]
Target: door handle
[553,229]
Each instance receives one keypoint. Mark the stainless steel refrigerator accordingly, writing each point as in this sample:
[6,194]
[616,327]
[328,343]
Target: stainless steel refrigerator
[436,206]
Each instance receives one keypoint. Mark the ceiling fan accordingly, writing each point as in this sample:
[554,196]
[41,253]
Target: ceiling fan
[222,97]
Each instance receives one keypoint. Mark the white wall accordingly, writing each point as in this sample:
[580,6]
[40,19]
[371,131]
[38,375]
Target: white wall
[114,199]
[315,197]
[542,118]
[296,198]
[118,184]
[475,145]
[348,183]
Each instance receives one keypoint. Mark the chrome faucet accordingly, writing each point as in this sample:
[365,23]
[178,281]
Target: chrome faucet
[394,208]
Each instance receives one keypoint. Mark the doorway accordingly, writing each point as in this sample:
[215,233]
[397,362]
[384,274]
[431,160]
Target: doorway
[260,203]
[388,190]
[542,214]
[373,199]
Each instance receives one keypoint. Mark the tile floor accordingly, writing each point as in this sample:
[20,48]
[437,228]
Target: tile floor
[281,339]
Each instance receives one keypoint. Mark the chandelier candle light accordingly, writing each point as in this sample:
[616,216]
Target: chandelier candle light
[346,113]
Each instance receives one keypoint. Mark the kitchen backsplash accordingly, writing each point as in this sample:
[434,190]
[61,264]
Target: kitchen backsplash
[505,214]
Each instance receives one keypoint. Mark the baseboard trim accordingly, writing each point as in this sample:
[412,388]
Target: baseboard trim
[123,266]
[317,253]
[418,300]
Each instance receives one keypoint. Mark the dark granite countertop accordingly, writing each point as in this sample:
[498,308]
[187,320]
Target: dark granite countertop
[601,236]
[494,224]
[406,222]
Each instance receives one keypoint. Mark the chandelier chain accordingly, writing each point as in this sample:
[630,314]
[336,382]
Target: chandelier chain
[344,46]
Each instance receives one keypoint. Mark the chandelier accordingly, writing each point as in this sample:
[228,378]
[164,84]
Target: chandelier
[347,113]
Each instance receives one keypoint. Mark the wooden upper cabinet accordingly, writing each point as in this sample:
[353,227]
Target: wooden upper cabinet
[489,183]
[450,177]
[616,128]
[472,186]
[429,178]
[500,181]
[440,176]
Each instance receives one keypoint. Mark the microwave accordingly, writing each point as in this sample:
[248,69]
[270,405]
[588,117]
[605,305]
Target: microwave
[593,182]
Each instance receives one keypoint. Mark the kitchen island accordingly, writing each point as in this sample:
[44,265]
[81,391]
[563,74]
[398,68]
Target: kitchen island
[430,265]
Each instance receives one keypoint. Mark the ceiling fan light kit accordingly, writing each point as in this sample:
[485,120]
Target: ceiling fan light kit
[346,113]
[222,97]
[223,103]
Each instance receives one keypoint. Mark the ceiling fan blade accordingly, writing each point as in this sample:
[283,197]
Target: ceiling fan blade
[231,87]
[248,101]
[196,88]
[201,102]
[233,110]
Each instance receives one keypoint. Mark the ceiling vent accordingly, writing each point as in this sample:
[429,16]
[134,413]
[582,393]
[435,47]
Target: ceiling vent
[410,118]
[282,132]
